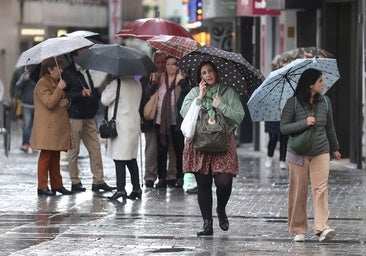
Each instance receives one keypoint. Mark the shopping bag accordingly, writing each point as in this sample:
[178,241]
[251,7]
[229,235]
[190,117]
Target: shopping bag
[188,125]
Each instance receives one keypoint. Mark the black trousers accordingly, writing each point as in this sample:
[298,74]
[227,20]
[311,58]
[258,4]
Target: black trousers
[273,138]
[121,174]
[178,144]
[223,183]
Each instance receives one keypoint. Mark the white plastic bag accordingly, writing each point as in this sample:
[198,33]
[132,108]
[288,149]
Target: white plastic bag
[188,125]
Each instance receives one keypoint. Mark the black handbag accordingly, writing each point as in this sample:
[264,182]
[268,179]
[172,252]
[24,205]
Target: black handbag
[108,129]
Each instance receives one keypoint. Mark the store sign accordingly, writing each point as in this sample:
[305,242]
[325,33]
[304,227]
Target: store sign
[195,10]
[254,8]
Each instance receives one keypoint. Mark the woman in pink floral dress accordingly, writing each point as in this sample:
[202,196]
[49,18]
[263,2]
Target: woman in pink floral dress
[207,167]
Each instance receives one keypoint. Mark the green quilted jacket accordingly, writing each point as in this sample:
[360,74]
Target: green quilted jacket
[293,121]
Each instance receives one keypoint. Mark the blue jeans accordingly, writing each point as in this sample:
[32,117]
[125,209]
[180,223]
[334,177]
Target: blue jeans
[28,116]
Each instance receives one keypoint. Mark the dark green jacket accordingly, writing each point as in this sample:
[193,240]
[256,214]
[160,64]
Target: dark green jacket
[293,121]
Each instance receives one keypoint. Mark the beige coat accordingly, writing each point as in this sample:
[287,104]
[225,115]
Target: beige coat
[51,129]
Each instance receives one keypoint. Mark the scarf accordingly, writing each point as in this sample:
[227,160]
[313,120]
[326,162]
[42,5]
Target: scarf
[166,111]
[208,99]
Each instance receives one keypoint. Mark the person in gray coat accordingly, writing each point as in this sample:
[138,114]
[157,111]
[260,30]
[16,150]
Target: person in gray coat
[309,108]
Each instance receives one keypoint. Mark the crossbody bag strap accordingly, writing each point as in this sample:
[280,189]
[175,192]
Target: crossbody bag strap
[117,98]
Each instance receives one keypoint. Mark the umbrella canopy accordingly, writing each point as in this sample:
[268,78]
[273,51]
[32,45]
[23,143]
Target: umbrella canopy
[176,46]
[299,53]
[115,59]
[50,48]
[234,70]
[148,27]
[82,33]
[268,100]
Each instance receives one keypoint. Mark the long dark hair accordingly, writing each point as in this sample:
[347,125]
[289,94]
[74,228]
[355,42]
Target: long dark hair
[199,67]
[307,78]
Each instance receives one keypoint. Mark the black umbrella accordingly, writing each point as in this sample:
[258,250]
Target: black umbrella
[115,59]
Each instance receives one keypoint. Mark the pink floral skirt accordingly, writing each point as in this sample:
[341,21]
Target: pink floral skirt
[205,162]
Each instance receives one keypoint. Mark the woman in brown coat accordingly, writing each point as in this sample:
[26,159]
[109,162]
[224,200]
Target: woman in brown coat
[51,131]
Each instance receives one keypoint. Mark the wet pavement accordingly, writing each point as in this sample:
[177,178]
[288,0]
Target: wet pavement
[165,221]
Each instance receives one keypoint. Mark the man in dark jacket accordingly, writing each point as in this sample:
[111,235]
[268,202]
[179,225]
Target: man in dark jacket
[85,101]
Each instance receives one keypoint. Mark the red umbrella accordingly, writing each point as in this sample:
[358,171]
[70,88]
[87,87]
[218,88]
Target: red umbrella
[148,27]
[176,46]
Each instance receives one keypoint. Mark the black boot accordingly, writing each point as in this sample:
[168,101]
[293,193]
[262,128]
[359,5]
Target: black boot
[223,221]
[45,192]
[63,191]
[135,194]
[119,194]
[207,228]
[161,183]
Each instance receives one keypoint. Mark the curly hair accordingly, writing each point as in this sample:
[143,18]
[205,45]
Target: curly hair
[199,67]
[50,63]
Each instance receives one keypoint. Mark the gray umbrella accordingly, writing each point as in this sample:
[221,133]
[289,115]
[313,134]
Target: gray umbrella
[115,59]
[268,100]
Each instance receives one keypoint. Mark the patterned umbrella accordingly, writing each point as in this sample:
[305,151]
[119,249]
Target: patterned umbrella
[234,70]
[268,100]
[299,53]
[148,27]
[176,46]
[52,47]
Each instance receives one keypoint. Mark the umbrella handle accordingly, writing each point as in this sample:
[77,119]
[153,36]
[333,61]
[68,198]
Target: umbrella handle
[58,67]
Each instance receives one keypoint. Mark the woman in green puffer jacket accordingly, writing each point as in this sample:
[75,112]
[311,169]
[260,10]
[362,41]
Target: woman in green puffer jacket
[309,108]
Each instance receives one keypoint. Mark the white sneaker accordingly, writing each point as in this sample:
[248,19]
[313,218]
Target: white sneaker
[30,150]
[268,162]
[299,238]
[327,235]
[283,165]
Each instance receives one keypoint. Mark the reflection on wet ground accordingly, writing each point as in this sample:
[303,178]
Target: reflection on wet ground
[165,221]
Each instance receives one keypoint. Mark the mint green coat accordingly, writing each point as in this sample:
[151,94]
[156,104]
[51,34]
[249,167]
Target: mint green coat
[230,104]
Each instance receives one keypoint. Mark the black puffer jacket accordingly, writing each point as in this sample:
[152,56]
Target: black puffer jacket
[81,107]
[293,121]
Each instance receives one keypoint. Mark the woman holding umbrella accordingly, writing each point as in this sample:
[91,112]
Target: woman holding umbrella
[51,130]
[208,166]
[309,109]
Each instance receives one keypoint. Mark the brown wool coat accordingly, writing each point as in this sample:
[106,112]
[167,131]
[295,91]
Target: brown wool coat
[51,128]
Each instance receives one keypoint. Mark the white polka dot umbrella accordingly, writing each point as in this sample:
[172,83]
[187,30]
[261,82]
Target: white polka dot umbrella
[268,100]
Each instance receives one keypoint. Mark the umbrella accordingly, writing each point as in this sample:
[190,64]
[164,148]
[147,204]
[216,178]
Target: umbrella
[50,48]
[115,59]
[82,33]
[299,53]
[268,100]
[234,70]
[176,46]
[148,27]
